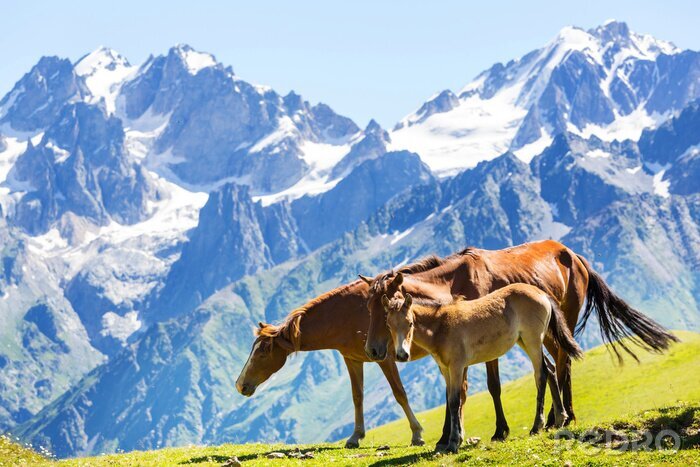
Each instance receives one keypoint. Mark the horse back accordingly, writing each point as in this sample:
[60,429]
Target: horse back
[548,265]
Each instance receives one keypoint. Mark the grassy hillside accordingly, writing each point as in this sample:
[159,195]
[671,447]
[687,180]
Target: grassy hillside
[661,392]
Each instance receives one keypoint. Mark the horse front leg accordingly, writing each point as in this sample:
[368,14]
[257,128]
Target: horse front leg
[391,373]
[356,372]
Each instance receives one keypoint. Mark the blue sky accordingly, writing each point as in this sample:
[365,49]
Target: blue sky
[365,59]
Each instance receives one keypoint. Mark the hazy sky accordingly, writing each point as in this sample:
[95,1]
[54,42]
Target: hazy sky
[365,59]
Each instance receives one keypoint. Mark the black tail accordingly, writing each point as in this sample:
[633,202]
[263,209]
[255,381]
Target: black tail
[561,333]
[619,320]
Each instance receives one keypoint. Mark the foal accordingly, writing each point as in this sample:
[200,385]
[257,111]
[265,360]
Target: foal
[463,333]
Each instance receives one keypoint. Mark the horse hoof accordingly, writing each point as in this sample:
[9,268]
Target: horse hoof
[441,447]
[498,437]
[561,421]
[417,442]
[534,431]
[550,419]
[452,447]
[352,444]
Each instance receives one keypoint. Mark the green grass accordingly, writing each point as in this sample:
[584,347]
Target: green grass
[662,392]
[13,453]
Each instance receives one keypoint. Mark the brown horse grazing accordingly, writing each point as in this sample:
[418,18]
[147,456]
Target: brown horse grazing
[335,320]
[548,265]
[462,333]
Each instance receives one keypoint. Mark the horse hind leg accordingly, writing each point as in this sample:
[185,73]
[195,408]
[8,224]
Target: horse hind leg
[534,351]
[553,349]
[560,416]
[493,381]
[445,438]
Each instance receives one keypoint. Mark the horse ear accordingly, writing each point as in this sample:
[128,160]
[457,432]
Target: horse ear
[398,280]
[284,343]
[261,325]
[408,301]
[365,279]
[385,301]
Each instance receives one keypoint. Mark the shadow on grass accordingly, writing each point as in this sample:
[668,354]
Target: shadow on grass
[408,459]
[684,420]
[258,455]
[202,459]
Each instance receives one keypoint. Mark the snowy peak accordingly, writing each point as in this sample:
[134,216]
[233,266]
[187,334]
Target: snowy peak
[101,58]
[442,102]
[103,72]
[618,32]
[193,60]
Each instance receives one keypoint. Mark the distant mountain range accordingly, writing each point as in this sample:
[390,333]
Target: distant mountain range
[152,214]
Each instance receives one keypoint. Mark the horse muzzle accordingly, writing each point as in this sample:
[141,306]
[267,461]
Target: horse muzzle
[245,389]
[375,355]
[402,356]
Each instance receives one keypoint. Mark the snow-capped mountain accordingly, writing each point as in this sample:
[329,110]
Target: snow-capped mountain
[205,126]
[152,214]
[607,82]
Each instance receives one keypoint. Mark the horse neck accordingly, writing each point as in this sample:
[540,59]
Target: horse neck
[426,321]
[326,323]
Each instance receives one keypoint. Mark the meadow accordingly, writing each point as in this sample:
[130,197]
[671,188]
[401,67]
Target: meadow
[613,403]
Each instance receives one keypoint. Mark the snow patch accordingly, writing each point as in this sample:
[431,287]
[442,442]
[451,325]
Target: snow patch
[476,130]
[399,236]
[623,127]
[285,129]
[195,61]
[594,153]
[61,154]
[321,158]
[120,327]
[661,186]
[529,151]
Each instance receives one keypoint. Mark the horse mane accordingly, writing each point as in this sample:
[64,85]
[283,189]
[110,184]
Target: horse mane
[432,261]
[290,328]
[425,264]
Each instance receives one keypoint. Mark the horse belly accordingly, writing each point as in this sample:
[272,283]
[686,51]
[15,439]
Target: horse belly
[491,346]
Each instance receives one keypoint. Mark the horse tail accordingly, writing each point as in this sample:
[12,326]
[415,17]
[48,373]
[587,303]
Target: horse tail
[561,333]
[619,320]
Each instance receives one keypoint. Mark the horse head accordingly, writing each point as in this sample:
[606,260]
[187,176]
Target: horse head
[269,354]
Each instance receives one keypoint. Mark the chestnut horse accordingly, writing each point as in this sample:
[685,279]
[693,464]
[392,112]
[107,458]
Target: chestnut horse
[335,320]
[548,265]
